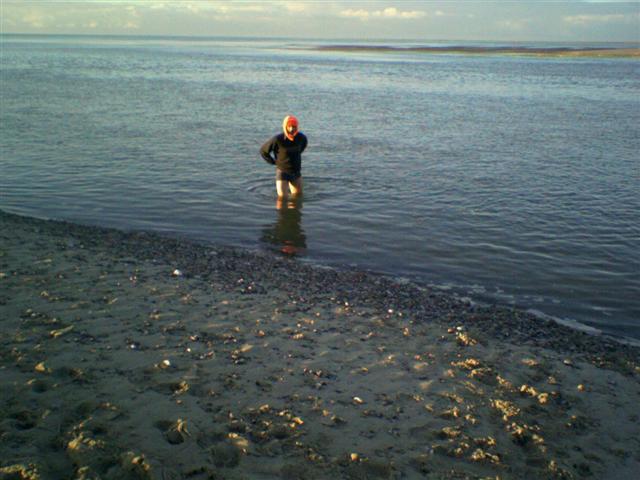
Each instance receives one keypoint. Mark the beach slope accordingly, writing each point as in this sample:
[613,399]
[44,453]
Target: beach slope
[132,356]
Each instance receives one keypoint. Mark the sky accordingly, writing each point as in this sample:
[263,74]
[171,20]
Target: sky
[514,20]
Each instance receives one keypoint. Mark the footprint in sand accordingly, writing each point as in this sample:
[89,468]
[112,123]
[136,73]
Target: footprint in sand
[174,432]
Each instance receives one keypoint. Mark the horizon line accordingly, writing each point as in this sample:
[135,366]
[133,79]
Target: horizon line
[331,39]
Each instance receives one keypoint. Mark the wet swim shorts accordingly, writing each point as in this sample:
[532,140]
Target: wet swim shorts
[287,177]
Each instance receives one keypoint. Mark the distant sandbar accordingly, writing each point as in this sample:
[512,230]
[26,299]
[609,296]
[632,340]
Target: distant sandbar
[534,51]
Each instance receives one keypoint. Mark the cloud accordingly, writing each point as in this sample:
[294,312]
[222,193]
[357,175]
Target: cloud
[207,10]
[362,14]
[37,19]
[293,7]
[390,12]
[514,25]
[601,19]
[395,13]
[220,7]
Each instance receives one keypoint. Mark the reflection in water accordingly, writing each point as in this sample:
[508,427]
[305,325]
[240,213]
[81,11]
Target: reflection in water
[287,233]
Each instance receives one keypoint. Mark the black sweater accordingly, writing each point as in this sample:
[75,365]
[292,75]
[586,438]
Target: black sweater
[287,154]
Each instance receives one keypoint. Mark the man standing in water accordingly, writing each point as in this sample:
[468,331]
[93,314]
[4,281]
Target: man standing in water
[285,152]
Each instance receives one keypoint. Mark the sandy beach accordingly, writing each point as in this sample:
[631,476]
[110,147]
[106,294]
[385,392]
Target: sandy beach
[126,355]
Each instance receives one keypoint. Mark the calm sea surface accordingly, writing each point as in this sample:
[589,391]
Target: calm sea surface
[509,179]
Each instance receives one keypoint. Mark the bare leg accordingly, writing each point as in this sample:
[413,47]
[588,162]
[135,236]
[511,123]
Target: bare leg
[282,188]
[296,187]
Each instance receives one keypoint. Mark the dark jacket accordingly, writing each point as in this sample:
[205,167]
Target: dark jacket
[284,153]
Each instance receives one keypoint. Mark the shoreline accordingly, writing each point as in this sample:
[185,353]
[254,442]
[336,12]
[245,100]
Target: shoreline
[132,355]
[471,50]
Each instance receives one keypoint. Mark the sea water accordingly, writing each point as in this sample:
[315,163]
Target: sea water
[508,179]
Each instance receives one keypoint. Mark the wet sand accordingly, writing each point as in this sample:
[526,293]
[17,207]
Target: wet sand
[470,50]
[132,356]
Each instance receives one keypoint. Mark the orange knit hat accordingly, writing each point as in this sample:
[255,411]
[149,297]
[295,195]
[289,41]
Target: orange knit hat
[290,121]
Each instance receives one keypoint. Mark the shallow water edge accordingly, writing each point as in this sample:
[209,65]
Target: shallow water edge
[246,269]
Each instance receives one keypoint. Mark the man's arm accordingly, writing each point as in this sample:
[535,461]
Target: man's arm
[266,149]
[304,143]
